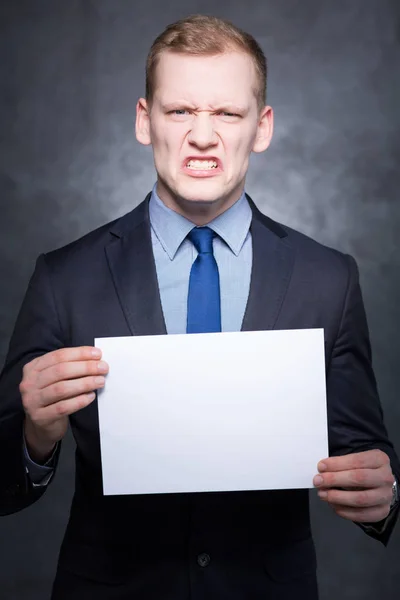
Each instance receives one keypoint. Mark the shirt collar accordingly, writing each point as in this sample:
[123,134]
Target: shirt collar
[171,228]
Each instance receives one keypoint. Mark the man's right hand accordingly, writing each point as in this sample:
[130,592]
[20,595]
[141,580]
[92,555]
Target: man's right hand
[53,387]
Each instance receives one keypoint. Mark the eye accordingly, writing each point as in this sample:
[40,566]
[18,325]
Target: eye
[178,111]
[228,114]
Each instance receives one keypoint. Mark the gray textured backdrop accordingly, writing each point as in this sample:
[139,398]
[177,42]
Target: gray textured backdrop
[71,75]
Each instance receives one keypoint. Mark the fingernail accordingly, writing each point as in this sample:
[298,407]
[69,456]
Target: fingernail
[100,380]
[102,366]
[318,480]
[322,494]
[322,466]
[96,352]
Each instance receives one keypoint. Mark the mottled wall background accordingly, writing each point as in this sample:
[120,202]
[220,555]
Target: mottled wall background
[71,73]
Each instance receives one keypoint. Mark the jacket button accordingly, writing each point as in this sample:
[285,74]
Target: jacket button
[203,559]
[13,489]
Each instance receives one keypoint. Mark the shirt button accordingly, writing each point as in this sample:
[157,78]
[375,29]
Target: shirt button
[203,559]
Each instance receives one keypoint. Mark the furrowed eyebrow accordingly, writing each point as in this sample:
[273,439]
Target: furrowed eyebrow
[177,106]
[184,106]
[230,109]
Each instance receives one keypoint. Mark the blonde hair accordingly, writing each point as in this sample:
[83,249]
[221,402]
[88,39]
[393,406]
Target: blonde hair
[206,35]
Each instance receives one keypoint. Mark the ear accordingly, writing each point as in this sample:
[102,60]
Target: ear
[142,127]
[265,130]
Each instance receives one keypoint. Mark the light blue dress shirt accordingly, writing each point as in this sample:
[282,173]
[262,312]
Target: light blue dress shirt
[174,255]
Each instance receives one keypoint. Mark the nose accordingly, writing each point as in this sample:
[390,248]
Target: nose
[202,133]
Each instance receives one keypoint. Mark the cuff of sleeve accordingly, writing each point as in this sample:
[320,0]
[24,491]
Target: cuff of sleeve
[40,475]
[382,530]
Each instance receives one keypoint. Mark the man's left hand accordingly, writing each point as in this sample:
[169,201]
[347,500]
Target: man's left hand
[367,480]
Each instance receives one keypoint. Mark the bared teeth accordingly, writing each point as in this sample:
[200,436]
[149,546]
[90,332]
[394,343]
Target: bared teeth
[202,164]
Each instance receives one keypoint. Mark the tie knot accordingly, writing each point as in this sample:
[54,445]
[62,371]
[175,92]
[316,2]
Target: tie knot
[202,238]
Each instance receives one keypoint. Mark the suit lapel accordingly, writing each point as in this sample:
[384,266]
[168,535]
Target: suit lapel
[131,262]
[272,266]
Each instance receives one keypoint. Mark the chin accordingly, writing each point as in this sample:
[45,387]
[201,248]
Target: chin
[200,192]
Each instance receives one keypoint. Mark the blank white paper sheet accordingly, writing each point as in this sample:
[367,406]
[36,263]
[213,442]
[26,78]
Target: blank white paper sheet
[213,412]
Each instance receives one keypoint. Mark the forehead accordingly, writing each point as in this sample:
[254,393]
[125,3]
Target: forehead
[228,77]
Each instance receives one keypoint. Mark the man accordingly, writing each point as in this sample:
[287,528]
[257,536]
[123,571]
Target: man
[196,255]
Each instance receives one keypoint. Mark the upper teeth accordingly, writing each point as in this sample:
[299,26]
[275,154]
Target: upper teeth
[202,164]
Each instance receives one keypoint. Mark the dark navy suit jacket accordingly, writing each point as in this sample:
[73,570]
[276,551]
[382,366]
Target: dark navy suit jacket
[228,545]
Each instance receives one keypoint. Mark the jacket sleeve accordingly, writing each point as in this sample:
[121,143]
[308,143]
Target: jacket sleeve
[355,416]
[37,331]
[40,474]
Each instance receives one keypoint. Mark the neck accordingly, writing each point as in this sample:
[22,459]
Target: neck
[199,212]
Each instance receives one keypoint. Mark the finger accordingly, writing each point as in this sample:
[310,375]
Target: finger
[65,355]
[357,499]
[362,515]
[370,459]
[64,407]
[355,478]
[63,390]
[70,370]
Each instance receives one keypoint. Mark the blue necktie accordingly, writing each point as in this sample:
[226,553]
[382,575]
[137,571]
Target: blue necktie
[204,305]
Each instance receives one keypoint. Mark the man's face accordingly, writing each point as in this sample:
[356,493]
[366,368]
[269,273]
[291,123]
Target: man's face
[203,124]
